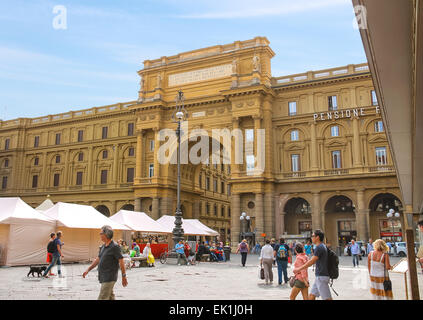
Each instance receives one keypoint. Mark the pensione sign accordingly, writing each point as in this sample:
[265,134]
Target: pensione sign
[340,114]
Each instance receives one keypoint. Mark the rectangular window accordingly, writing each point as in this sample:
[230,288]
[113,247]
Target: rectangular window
[229,215]
[80,135]
[207,209]
[36,141]
[381,156]
[151,145]
[207,183]
[4,183]
[130,129]
[105,154]
[104,133]
[79,178]
[336,159]
[36,161]
[57,159]
[374,98]
[58,138]
[7,144]
[215,210]
[379,126]
[131,152]
[334,131]
[56,179]
[295,162]
[35,181]
[130,175]
[333,105]
[294,135]
[249,135]
[215,185]
[222,211]
[200,181]
[151,170]
[250,163]
[229,189]
[6,163]
[222,187]
[103,177]
[292,108]
[80,156]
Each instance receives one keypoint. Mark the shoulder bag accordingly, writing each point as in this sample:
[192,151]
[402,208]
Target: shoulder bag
[387,283]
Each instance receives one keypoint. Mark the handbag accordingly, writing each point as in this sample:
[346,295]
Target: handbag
[261,273]
[387,283]
[292,281]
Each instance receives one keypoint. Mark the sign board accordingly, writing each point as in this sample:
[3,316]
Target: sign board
[401,266]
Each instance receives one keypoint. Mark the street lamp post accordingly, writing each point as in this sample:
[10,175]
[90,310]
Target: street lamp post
[390,215]
[178,117]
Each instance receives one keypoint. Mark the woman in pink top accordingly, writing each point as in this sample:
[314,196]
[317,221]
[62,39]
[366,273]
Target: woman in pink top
[301,279]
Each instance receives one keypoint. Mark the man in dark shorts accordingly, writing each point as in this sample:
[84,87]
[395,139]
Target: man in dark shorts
[109,259]
[320,258]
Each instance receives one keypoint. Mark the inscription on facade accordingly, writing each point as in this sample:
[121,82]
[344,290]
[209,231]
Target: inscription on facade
[339,114]
[200,75]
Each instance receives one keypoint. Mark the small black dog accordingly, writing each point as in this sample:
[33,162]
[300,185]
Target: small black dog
[36,269]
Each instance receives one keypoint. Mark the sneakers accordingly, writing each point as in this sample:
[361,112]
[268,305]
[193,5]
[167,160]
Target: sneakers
[61,276]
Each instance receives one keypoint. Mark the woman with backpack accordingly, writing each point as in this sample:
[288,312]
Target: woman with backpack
[301,283]
[50,251]
[244,249]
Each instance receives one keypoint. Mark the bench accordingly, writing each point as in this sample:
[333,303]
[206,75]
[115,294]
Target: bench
[205,257]
[142,261]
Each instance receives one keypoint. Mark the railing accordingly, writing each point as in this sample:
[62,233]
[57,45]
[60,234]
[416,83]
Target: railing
[295,175]
[321,74]
[337,172]
[382,168]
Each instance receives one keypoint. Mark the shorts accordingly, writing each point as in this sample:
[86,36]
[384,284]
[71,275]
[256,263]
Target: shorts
[321,288]
[49,257]
[299,284]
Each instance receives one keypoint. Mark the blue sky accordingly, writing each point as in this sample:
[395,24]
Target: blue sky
[93,62]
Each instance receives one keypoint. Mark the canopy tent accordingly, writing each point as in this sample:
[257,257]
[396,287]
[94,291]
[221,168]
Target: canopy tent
[189,228]
[45,205]
[138,221]
[198,224]
[24,233]
[81,225]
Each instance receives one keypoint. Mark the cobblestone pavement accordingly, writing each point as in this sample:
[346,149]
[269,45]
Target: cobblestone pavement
[206,281]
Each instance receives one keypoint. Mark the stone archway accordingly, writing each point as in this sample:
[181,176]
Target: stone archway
[103,209]
[380,226]
[128,207]
[298,216]
[339,221]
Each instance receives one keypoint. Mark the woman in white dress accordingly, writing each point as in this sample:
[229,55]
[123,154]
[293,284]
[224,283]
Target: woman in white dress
[378,264]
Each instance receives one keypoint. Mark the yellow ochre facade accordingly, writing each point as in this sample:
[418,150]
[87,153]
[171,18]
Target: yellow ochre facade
[327,162]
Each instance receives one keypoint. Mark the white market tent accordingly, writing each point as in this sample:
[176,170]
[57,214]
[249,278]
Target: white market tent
[45,205]
[138,221]
[189,228]
[198,224]
[24,233]
[81,226]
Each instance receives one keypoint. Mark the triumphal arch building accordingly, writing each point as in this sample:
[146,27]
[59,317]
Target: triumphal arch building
[314,153]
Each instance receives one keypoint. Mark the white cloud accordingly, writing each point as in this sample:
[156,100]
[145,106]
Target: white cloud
[249,8]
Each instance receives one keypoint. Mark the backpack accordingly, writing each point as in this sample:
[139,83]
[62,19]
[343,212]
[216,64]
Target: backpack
[282,252]
[243,246]
[333,269]
[51,248]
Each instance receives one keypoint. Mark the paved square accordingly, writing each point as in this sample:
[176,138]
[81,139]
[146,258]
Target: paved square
[206,281]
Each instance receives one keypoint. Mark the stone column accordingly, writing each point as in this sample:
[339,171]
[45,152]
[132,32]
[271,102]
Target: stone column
[235,139]
[155,208]
[313,148]
[357,159]
[156,148]
[283,215]
[258,213]
[138,167]
[269,221]
[258,156]
[361,217]
[196,209]
[316,212]
[235,223]
[115,163]
[137,204]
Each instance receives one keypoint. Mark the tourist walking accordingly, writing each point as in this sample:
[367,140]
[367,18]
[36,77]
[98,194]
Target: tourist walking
[378,264]
[301,283]
[320,258]
[272,244]
[109,260]
[355,252]
[180,250]
[56,256]
[308,248]
[281,254]
[266,261]
[370,246]
[243,248]
[257,248]
[50,251]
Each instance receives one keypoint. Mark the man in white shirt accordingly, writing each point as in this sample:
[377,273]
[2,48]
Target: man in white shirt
[266,261]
